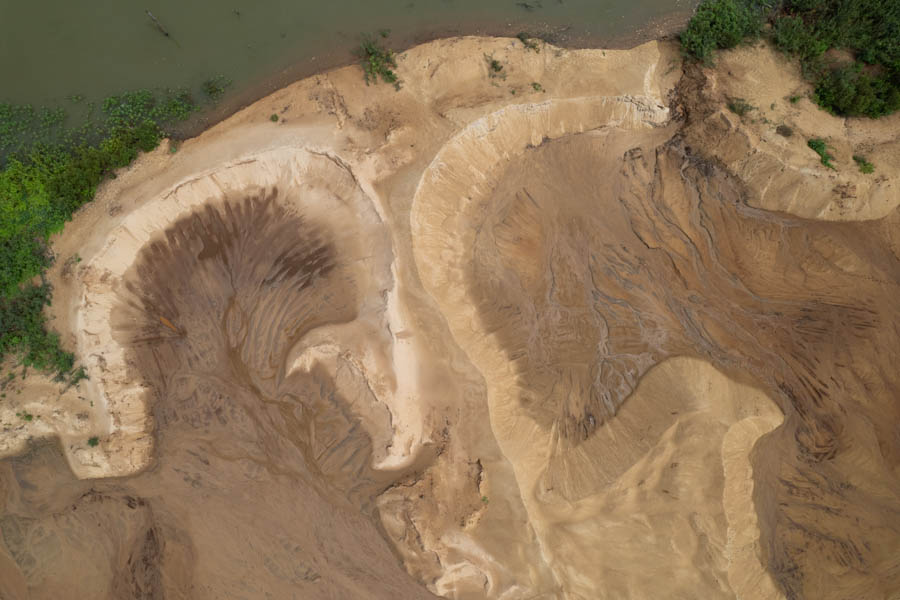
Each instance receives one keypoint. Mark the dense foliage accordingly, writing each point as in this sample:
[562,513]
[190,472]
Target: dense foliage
[867,84]
[722,24]
[48,172]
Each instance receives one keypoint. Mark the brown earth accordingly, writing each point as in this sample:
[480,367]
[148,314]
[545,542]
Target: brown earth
[565,331]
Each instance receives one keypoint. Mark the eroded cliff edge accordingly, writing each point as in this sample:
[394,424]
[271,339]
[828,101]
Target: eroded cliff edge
[530,333]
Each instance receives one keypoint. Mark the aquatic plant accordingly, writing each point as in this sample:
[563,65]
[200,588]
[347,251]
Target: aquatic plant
[215,87]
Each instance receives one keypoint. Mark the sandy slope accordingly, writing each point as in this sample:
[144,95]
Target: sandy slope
[526,332]
[780,171]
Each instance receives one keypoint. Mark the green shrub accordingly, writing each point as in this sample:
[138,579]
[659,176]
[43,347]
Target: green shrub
[378,61]
[93,442]
[864,165]
[849,91]
[719,24]
[791,35]
[739,106]
[821,148]
[23,330]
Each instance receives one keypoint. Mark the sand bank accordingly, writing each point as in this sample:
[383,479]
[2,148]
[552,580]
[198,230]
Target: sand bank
[546,332]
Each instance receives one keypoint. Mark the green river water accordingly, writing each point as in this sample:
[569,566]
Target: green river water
[54,49]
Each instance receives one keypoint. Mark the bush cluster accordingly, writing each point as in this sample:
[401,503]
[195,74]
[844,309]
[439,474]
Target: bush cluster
[721,24]
[46,174]
[869,29]
[821,148]
[378,61]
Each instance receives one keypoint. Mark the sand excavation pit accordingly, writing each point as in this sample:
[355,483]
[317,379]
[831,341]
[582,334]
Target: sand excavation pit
[474,338]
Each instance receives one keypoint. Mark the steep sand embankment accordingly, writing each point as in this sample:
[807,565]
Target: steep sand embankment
[524,334]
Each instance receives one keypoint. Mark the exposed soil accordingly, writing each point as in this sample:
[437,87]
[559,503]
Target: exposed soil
[478,339]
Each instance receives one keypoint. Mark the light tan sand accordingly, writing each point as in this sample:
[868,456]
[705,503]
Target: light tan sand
[519,341]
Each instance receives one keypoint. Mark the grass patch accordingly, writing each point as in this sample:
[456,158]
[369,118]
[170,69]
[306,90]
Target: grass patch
[739,106]
[378,61]
[864,165]
[821,148]
[869,30]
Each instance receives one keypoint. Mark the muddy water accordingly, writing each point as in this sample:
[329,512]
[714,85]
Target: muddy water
[265,475]
[49,51]
[589,285]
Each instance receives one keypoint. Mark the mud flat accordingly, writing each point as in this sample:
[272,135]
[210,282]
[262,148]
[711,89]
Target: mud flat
[541,333]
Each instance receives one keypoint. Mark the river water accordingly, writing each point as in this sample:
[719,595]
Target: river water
[56,49]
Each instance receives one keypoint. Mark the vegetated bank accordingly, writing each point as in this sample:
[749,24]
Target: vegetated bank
[848,49]
[48,170]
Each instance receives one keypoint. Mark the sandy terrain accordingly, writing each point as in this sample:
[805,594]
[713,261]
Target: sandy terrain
[572,330]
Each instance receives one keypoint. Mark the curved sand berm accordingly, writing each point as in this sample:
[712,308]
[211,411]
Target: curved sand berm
[535,339]
[448,212]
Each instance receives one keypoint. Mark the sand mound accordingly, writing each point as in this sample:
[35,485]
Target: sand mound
[766,148]
[508,329]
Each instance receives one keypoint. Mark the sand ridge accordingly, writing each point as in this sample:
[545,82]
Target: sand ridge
[534,341]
